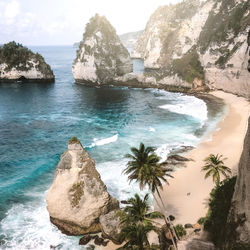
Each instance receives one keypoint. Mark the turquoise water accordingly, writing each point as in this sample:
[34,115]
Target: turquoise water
[37,120]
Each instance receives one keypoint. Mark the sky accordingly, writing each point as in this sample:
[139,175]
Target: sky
[62,22]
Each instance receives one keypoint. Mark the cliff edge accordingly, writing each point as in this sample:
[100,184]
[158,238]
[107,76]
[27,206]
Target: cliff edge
[101,56]
[77,197]
[238,227]
[18,63]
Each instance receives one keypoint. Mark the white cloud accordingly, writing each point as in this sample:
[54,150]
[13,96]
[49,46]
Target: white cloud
[12,9]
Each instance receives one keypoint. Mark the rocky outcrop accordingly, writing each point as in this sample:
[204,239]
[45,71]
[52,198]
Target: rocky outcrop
[110,224]
[78,197]
[101,56]
[239,216]
[17,63]
[129,39]
[200,40]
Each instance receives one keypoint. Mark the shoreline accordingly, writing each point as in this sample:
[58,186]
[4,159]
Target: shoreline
[227,139]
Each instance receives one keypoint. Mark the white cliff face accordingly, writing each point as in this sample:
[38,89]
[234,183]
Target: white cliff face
[239,216]
[233,78]
[14,74]
[20,63]
[215,31]
[101,56]
[77,196]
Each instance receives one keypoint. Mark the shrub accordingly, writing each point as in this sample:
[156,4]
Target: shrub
[180,230]
[219,206]
[74,140]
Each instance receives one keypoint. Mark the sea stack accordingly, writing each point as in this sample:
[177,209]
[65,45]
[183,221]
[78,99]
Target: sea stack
[101,56]
[78,197]
[18,63]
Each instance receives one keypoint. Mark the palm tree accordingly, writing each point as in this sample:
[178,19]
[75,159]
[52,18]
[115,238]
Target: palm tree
[136,222]
[136,236]
[145,167]
[214,166]
[137,210]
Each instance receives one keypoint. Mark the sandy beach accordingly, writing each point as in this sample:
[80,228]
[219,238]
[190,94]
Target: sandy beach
[227,139]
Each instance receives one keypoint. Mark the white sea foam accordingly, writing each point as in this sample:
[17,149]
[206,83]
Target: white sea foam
[151,129]
[28,227]
[188,105]
[100,142]
[163,151]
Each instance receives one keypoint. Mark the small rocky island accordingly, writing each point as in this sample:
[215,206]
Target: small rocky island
[101,56]
[18,63]
[78,201]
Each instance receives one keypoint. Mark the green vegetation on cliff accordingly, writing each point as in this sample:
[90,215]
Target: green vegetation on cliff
[189,66]
[15,55]
[219,206]
[227,19]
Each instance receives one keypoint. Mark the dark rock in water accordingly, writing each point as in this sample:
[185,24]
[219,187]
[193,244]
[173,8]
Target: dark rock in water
[105,243]
[182,149]
[98,240]
[171,217]
[197,230]
[177,158]
[90,247]
[188,225]
[124,202]
[85,239]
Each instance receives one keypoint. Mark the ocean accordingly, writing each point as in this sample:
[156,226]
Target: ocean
[37,120]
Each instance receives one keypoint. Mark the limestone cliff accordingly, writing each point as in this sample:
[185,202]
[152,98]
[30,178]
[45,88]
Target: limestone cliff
[239,216]
[203,40]
[77,196]
[101,56]
[20,63]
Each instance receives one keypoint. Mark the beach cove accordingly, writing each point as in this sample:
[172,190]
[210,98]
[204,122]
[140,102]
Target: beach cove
[226,139]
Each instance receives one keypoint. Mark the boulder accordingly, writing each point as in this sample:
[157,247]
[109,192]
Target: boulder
[18,63]
[78,197]
[85,240]
[188,225]
[101,57]
[110,226]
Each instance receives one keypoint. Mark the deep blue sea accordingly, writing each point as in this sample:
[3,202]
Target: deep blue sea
[37,120]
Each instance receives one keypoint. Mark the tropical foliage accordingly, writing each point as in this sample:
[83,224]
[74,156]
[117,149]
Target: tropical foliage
[146,168]
[214,166]
[219,206]
[136,222]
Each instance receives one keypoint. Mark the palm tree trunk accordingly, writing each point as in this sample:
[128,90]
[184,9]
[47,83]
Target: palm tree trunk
[167,221]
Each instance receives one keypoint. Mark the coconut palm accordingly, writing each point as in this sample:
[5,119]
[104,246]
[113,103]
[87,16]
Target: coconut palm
[138,210]
[144,167]
[214,166]
[136,236]
[136,222]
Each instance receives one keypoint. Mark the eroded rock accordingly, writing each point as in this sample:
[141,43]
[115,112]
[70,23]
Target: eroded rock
[78,197]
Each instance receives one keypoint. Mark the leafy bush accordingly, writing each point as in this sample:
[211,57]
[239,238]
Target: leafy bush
[201,220]
[15,55]
[180,230]
[219,206]
[73,140]
[189,66]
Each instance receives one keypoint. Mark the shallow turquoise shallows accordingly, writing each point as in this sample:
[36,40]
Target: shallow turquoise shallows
[37,120]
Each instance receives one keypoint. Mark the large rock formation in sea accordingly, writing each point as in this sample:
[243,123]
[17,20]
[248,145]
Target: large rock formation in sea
[78,197]
[200,42]
[19,63]
[239,216]
[101,56]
